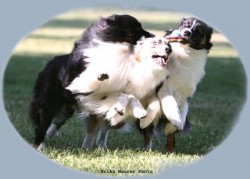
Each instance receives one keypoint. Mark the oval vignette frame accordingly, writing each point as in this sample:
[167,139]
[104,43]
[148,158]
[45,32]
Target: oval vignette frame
[40,158]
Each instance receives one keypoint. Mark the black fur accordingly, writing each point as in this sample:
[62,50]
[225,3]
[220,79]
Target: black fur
[50,99]
[198,35]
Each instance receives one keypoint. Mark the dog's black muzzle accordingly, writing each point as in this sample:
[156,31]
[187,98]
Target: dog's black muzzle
[187,33]
[168,49]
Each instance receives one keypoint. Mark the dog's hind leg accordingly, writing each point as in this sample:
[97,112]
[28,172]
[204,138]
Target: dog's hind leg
[105,127]
[91,128]
[88,140]
[65,113]
[46,117]
[102,138]
[148,134]
[148,137]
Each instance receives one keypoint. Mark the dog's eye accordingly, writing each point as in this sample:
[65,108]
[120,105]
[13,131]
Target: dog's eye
[154,43]
[199,29]
[185,25]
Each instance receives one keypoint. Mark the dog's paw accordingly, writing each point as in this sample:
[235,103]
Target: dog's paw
[169,128]
[41,147]
[103,76]
[88,142]
[145,122]
[139,113]
[177,123]
[120,110]
[175,118]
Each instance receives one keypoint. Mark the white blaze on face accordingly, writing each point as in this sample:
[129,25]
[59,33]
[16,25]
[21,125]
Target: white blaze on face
[188,29]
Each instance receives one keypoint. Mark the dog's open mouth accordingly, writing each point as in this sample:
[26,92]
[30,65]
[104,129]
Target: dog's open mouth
[161,60]
[178,39]
[177,36]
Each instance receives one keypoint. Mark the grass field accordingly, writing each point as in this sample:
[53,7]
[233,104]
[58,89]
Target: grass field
[213,110]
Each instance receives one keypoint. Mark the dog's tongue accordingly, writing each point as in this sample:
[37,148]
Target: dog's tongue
[161,60]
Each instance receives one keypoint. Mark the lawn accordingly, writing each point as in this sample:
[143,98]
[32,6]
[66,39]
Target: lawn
[213,110]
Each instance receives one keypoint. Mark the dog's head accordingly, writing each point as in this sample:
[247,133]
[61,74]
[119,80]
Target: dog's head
[196,33]
[116,28]
[154,51]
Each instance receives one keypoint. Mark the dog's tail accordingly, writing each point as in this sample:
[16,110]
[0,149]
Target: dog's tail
[36,102]
[34,113]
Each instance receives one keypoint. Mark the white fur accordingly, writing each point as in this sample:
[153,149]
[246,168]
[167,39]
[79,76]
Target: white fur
[153,112]
[110,58]
[186,70]
[131,72]
[124,70]
[124,101]
[41,147]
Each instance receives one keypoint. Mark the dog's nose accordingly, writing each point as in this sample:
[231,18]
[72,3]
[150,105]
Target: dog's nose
[187,33]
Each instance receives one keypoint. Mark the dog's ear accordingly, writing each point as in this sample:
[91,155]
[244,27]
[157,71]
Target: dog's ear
[208,38]
[103,21]
[180,23]
[111,19]
[107,21]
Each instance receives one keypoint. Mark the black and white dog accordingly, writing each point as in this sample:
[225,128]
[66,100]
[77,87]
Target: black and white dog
[129,70]
[50,98]
[186,70]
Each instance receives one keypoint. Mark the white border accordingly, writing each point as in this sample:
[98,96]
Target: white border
[229,160]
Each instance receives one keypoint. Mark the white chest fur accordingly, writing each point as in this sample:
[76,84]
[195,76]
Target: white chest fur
[186,69]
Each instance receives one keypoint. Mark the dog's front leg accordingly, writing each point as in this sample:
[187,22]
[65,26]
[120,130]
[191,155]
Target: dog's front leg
[170,106]
[91,128]
[183,112]
[171,110]
[136,108]
[153,111]
[121,104]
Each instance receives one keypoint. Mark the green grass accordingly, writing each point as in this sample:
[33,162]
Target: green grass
[213,110]
[127,160]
